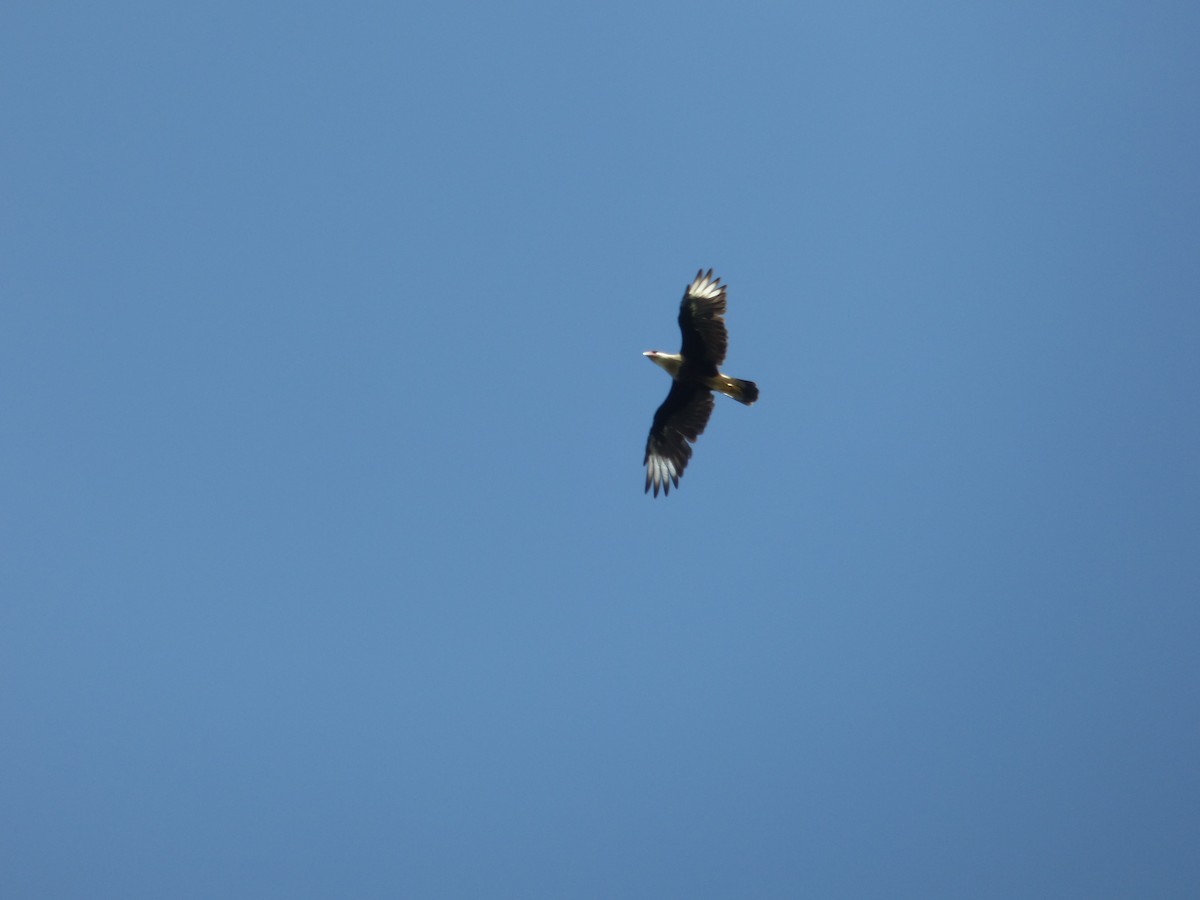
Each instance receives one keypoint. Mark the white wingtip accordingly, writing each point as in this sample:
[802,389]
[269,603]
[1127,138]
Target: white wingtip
[705,287]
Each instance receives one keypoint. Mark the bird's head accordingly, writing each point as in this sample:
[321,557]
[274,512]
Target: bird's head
[668,361]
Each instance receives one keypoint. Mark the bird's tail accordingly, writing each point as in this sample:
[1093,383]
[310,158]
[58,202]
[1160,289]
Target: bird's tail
[741,391]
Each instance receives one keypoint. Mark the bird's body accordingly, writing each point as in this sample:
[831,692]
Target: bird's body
[695,375]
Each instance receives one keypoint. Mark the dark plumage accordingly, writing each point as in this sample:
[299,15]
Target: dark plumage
[695,371]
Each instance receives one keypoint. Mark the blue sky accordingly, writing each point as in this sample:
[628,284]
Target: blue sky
[327,570]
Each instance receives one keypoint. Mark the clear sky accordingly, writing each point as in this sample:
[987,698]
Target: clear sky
[326,569]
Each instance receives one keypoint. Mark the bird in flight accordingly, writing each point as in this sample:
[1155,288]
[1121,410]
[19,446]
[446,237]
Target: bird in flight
[695,375]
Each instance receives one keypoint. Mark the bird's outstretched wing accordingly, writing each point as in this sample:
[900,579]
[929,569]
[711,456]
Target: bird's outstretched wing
[680,419]
[704,337]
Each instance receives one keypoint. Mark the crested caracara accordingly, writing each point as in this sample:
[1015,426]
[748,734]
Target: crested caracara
[695,374]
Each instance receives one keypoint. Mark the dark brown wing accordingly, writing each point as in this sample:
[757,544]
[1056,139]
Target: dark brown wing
[704,335]
[680,419]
